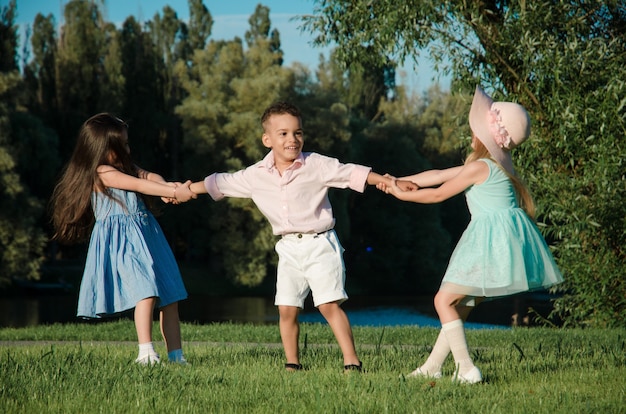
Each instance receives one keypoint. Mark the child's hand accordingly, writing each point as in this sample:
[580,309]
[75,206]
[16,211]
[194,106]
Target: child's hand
[171,200]
[405,185]
[183,193]
[396,185]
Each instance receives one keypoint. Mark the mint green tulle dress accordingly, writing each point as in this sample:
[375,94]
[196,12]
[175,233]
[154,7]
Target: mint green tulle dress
[501,252]
[128,259]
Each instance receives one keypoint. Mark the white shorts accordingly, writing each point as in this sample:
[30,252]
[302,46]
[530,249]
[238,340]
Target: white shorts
[310,263]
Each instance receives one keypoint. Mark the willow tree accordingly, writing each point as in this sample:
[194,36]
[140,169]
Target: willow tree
[564,62]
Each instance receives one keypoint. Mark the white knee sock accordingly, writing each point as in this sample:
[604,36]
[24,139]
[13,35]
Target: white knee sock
[455,334]
[437,356]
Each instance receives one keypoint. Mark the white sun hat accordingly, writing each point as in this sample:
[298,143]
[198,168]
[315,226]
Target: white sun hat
[500,126]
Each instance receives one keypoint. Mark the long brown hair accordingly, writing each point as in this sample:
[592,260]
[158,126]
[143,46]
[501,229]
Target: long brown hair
[102,140]
[524,198]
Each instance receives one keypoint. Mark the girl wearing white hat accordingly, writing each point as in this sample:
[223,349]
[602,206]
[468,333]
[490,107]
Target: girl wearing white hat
[502,251]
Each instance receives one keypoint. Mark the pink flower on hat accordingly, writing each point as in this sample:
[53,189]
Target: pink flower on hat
[499,132]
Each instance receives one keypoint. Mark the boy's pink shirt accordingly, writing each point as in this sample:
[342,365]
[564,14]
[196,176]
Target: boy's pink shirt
[297,201]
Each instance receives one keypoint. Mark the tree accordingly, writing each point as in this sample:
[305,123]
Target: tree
[113,96]
[21,240]
[8,38]
[143,107]
[79,69]
[227,89]
[564,62]
[373,227]
[200,25]
[40,73]
[175,41]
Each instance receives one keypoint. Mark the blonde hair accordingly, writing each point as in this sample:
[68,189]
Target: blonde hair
[524,198]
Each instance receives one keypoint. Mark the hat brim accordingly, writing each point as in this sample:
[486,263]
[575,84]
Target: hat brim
[479,123]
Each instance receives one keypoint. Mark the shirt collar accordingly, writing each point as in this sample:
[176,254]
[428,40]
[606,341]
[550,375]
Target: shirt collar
[269,164]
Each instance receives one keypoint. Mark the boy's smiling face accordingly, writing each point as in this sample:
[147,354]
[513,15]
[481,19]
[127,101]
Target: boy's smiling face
[283,134]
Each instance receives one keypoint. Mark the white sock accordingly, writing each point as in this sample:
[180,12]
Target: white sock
[437,356]
[176,355]
[145,350]
[455,334]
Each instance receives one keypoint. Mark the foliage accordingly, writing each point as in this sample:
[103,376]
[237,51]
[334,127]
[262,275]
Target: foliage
[8,38]
[21,239]
[227,90]
[40,72]
[238,368]
[564,62]
[193,105]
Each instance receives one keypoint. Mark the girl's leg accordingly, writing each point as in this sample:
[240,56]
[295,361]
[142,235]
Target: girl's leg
[289,332]
[452,327]
[434,363]
[143,324]
[340,325]
[170,326]
[170,329]
[441,349]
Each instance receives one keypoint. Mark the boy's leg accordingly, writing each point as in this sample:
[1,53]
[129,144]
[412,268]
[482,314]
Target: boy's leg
[289,332]
[340,325]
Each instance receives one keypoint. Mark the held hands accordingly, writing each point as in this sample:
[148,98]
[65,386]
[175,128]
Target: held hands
[181,193]
[404,185]
[396,186]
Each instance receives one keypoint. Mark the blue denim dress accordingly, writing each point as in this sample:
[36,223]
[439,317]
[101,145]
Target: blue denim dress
[128,259]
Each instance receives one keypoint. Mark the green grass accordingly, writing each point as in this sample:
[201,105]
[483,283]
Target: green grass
[78,368]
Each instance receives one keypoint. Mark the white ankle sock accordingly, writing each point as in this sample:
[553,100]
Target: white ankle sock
[455,334]
[146,349]
[437,356]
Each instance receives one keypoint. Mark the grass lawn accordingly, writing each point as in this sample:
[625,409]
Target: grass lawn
[76,368]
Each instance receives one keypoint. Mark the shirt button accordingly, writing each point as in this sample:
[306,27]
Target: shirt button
[300,235]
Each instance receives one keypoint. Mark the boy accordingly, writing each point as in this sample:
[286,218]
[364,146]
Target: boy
[290,188]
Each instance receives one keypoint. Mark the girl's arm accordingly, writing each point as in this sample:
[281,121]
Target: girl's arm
[453,183]
[433,178]
[112,177]
[148,175]
[376,179]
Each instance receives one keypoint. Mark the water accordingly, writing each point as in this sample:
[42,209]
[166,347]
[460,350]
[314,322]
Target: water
[363,311]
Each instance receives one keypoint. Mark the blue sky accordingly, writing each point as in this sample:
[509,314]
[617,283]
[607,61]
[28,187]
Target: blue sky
[230,20]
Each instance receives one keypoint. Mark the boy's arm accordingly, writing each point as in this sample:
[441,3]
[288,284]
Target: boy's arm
[198,187]
[405,185]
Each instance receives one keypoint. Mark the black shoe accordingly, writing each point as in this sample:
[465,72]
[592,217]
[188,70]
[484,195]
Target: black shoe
[353,367]
[293,367]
